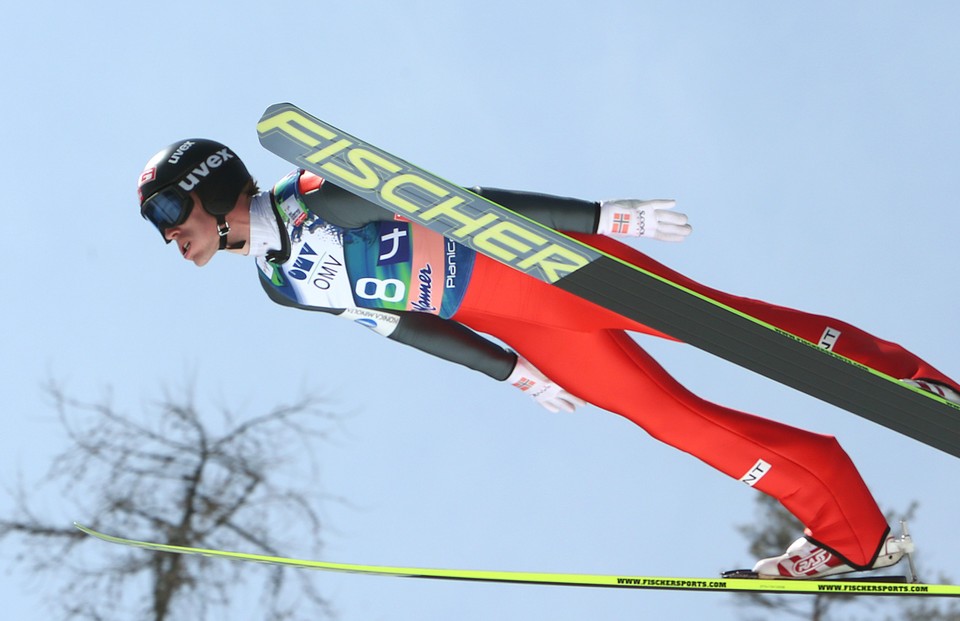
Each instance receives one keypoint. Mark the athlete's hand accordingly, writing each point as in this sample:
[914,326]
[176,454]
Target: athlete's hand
[530,380]
[643,219]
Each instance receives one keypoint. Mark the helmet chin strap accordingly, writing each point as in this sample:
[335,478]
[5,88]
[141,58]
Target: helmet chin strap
[222,229]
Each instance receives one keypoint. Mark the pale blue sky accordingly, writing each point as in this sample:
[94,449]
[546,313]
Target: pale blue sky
[814,147]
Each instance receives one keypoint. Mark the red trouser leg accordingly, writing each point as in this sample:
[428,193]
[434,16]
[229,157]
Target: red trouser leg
[583,348]
[846,340]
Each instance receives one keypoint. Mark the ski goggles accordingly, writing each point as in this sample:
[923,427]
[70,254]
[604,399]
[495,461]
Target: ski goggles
[167,208]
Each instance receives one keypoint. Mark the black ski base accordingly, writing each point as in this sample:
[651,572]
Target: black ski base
[769,351]
[752,575]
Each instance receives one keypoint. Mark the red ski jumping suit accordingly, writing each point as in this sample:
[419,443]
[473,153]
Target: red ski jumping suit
[586,349]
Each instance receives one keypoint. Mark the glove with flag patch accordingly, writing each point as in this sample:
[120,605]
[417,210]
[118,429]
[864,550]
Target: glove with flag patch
[643,219]
[530,380]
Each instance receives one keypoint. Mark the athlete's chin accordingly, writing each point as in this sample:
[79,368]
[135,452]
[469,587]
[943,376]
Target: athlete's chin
[201,260]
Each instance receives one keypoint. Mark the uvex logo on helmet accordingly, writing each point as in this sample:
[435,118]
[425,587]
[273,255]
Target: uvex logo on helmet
[206,167]
[175,156]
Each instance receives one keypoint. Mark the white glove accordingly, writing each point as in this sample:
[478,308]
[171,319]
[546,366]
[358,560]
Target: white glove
[643,219]
[530,380]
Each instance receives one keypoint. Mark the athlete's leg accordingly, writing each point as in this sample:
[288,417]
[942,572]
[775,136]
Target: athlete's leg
[843,338]
[808,473]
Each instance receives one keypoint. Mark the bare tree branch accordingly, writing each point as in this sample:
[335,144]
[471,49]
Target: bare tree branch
[171,475]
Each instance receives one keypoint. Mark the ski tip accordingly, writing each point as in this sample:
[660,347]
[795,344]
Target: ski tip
[84,529]
[279,106]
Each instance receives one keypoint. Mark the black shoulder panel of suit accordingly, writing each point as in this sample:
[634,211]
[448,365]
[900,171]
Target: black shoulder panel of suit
[341,208]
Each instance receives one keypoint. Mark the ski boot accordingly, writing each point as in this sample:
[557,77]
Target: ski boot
[807,560]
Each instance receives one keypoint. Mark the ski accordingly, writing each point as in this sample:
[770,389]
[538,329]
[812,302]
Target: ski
[867,586]
[489,228]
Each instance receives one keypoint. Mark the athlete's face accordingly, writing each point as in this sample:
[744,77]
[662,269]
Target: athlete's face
[197,238]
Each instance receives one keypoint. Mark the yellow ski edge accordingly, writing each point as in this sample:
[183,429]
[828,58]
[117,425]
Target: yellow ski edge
[729,585]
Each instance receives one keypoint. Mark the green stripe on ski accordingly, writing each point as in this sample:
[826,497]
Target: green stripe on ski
[731,585]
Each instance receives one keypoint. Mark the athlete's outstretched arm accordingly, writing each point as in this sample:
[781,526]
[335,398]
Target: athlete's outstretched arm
[557,212]
[444,338]
[454,342]
[343,208]
[636,218]
[618,217]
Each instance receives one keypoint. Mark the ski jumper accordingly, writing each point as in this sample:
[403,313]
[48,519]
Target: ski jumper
[808,473]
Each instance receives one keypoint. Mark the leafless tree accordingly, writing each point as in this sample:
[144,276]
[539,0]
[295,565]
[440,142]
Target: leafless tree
[171,475]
